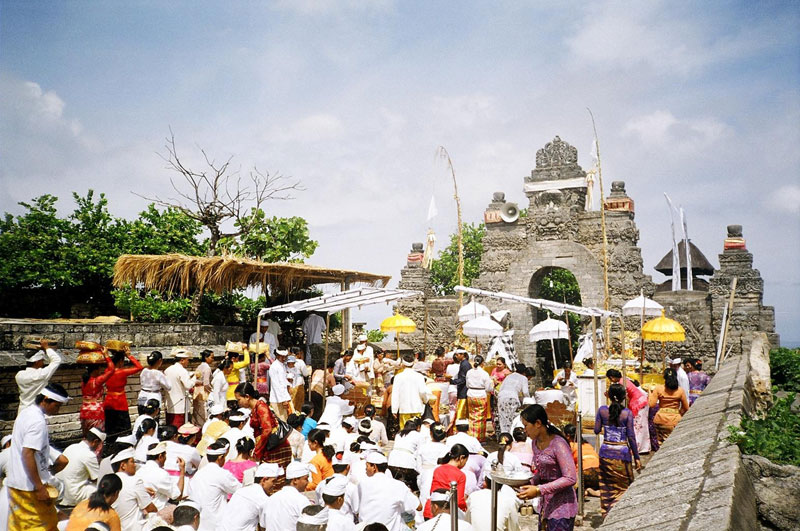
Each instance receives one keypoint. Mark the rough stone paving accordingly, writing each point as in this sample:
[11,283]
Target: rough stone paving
[559,232]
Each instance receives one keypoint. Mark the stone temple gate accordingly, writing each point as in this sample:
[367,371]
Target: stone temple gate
[560,232]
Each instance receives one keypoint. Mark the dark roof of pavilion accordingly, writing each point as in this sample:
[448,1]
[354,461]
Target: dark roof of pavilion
[700,264]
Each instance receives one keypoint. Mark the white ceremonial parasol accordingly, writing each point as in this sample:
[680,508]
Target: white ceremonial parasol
[472,310]
[482,327]
[641,305]
[549,329]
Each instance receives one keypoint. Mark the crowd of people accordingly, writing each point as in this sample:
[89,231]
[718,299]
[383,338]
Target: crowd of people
[259,440]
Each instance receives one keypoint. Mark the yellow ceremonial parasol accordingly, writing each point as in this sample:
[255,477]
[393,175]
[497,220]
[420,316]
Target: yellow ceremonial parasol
[398,324]
[663,329]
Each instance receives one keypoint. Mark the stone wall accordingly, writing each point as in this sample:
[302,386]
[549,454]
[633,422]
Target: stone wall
[697,480]
[65,427]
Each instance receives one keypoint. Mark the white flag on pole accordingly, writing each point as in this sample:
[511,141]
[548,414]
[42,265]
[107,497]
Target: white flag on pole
[432,211]
[595,157]
[676,261]
[689,283]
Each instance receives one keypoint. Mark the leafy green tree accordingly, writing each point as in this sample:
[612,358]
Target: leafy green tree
[375,336]
[34,248]
[164,231]
[560,285]
[271,239]
[444,270]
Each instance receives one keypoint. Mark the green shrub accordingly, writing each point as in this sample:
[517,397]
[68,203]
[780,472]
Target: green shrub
[776,437]
[375,336]
[784,364]
[151,306]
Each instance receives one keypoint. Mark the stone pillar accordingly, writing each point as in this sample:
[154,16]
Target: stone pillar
[749,313]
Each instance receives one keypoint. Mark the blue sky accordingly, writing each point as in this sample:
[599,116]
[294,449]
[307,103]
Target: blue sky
[699,100]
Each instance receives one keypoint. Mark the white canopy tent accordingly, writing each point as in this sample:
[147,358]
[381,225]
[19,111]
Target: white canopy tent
[353,298]
[557,308]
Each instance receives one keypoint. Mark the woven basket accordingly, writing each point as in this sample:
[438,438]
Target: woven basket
[115,344]
[90,357]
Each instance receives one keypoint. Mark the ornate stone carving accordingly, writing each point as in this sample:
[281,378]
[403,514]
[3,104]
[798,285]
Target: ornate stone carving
[556,153]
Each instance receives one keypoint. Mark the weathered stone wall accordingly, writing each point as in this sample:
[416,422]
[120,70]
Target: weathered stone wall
[65,427]
[697,480]
[13,333]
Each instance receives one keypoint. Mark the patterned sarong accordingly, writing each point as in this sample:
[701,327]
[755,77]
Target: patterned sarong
[282,456]
[26,513]
[478,410]
[615,478]
[507,407]
[556,524]
[662,432]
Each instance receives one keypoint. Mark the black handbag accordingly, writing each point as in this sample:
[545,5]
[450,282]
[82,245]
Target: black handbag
[279,433]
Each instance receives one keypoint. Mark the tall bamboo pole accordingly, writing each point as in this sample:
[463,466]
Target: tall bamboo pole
[325,367]
[594,377]
[607,300]
[442,153]
[641,342]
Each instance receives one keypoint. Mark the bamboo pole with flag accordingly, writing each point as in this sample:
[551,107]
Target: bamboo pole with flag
[676,260]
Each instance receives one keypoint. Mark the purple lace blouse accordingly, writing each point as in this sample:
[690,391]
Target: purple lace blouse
[554,473]
[620,440]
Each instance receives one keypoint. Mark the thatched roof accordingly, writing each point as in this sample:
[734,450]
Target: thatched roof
[700,264]
[182,274]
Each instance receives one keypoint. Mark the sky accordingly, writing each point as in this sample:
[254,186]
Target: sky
[700,100]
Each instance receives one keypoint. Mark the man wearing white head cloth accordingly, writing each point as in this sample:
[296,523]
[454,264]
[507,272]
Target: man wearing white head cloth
[409,392]
[181,383]
[280,397]
[31,507]
[381,498]
[334,491]
[35,376]
[440,507]
[248,507]
[363,357]
[269,335]
[158,480]
[336,408]
[341,470]
[133,499]
[286,505]
[82,472]
[211,486]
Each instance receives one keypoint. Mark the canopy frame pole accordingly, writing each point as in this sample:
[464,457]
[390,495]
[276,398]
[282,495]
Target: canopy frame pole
[641,342]
[325,368]
[594,377]
[579,441]
[725,326]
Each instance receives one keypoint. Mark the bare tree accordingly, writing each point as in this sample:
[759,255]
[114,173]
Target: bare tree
[219,195]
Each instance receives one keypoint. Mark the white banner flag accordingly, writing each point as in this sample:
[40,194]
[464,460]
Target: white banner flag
[676,261]
[689,283]
[432,211]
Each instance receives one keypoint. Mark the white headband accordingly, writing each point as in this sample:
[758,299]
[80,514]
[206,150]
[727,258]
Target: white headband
[217,451]
[124,455]
[190,503]
[36,357]
[52,395]
[314,519]
[158,449]
[440,496]
[99,434]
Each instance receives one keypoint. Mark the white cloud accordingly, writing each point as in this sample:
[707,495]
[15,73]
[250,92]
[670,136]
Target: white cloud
[315,128]
[661,36]
[327,7]
[464,110]
[662,130]
[785,200]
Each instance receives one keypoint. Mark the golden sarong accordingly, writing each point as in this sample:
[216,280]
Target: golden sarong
[26,513]
[405,417]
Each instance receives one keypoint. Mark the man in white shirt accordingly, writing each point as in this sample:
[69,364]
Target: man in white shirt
[507,514]
[133,499]
[336,408]
[248,507]
[29,463]
[313,326]
[568,381]
[157,479]
[279,387]
[375,430]
[381,498]
[461,436]
[409,392]
[334,492]
[286,505]
[363,357]
[440,509]
[202,387]
[589,367]
[235,421]
[268,336]
[82,472]
[211,486]
[341,469]
[683,378]
[181,383]
[35,376]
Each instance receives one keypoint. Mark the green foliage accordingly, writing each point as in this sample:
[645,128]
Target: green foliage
[271,239]
[560,285]
[375,336]
[48,262]
[776,437]
[151,306]
[784,366]
[444,270]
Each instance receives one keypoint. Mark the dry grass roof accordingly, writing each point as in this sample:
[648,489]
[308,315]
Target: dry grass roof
[183,274]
